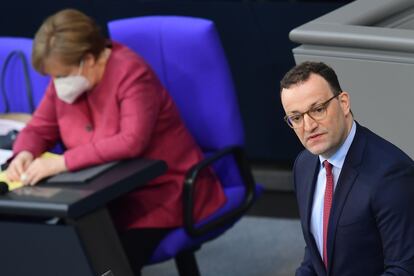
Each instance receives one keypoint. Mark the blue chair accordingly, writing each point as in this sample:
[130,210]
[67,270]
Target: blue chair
[21,86]
[187,55]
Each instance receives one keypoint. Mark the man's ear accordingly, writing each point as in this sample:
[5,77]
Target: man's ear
[345,102]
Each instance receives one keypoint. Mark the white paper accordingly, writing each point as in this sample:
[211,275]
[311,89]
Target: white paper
[8,125]
[4,155]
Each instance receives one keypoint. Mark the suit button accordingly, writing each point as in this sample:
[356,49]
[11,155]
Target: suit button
[88,128]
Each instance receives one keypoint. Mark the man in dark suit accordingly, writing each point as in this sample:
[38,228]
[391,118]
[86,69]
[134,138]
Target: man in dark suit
[354,189]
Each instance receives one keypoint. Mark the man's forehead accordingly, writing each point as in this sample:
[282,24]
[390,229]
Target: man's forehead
[303,96]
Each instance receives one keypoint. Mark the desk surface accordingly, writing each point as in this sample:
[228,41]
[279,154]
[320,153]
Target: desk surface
[72,201]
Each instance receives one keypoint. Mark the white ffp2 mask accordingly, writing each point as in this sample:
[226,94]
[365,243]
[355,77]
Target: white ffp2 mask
[69,88]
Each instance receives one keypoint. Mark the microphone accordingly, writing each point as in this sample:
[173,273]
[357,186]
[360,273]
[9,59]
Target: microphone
[4,188]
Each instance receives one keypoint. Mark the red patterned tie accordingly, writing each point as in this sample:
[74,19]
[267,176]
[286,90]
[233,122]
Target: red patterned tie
[327,203]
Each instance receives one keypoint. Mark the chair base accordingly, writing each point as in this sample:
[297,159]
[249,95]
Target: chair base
[187,264]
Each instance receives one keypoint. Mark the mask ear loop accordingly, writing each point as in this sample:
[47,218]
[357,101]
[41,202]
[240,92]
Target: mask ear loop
[80,67]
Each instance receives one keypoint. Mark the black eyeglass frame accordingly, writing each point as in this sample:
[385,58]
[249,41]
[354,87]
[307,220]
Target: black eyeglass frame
[323,105]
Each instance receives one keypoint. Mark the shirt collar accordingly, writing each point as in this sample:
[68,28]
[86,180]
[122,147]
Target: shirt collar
[338,158]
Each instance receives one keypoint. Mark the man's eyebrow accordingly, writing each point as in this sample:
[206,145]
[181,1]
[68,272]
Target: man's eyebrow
[316,104]
[310,107]
[294,113]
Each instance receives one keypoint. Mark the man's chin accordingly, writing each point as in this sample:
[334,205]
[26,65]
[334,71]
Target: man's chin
[317,149]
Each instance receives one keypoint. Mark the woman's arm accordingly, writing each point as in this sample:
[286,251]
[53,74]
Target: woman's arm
[42,131]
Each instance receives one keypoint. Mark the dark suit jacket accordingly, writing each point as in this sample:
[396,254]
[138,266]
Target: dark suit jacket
[371,226]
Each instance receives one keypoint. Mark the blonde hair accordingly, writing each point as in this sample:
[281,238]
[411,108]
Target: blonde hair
[67,35]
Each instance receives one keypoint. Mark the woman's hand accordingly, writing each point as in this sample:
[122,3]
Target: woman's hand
[19,165]
[43,167]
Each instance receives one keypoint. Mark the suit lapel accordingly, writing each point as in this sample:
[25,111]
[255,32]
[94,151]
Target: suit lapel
[346,180]
[310,178]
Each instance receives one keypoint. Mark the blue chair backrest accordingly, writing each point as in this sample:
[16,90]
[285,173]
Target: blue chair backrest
[14,79]
[187,56]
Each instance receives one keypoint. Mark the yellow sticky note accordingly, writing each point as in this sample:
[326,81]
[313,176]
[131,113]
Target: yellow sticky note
[12,184]
[17,184]
[49,155]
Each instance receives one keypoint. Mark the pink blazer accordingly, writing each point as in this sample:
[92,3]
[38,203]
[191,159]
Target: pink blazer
[128,114]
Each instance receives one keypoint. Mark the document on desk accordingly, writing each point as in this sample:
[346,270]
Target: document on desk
[6,125]
[78,177]
[5,155]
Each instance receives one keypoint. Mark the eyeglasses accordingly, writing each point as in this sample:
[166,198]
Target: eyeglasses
[317,113]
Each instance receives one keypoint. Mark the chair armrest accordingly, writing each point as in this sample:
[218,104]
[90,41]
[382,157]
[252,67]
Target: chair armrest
[229,217]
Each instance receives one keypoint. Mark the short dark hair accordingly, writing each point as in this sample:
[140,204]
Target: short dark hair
[301,73]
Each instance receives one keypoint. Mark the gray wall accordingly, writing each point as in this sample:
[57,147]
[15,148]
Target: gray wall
[370,43]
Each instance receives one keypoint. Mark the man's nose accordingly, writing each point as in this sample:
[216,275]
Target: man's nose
[309,123]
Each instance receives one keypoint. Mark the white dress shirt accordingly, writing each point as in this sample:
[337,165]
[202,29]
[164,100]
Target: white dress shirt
[337,161]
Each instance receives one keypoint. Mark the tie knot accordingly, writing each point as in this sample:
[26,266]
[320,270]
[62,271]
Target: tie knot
[328,167]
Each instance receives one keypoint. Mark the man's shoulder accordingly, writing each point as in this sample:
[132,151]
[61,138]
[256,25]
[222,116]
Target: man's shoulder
[305,157]
[380,147]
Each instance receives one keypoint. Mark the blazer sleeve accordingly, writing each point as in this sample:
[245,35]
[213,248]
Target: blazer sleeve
[393,208]
[140,104]
[42,131]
